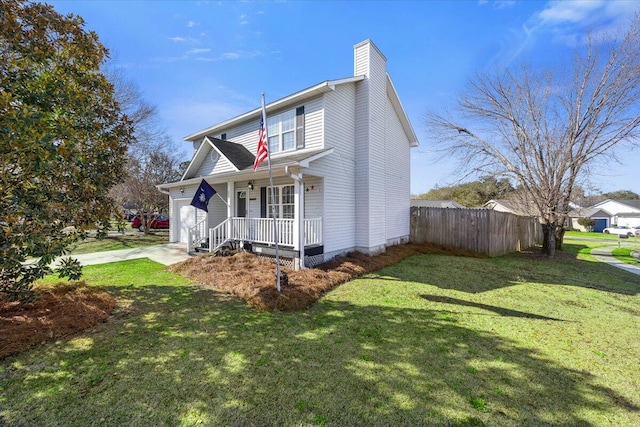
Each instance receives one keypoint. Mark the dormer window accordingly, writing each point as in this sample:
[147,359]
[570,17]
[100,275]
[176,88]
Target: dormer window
[281,129]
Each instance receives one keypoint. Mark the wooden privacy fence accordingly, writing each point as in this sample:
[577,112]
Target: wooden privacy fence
[482,231]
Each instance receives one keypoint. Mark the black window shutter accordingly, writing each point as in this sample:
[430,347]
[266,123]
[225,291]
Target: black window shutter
[263,202]
[300,127]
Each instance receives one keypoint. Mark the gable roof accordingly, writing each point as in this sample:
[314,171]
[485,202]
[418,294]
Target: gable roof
[516,207]
[402,115]
[237,155]
[633,205]
[629,202]
[589,212]
[310,92]
[297,97]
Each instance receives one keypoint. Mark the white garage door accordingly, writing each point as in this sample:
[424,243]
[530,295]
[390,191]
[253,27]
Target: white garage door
[186,219]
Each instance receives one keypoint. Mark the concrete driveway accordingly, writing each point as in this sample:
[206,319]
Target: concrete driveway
[166,254]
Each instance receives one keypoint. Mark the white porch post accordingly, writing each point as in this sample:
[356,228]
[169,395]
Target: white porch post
[298,222]
[231,204]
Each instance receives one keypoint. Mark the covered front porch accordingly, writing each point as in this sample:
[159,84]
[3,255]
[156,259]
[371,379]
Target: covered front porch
[241,211]
[259,235]
[241,215]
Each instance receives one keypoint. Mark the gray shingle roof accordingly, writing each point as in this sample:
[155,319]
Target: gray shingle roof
[235,153]
[435,203]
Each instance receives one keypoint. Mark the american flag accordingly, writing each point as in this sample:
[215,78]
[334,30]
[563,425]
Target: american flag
[263,146]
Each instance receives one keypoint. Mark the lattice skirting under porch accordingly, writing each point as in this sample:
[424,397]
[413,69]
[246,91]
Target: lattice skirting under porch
[285,262]
[313,261]
[309,261]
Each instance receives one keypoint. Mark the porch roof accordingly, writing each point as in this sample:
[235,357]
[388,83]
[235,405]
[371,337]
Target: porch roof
[278,166]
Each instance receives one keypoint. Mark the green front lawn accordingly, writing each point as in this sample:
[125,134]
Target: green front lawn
[591,235]
[120,241]
[433,340]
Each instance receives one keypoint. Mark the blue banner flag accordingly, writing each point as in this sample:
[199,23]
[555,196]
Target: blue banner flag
[202,196]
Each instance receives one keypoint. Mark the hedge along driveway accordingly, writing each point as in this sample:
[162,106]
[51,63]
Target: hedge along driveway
[433,340]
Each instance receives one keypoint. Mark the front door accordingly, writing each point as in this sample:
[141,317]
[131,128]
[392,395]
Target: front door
[241,204]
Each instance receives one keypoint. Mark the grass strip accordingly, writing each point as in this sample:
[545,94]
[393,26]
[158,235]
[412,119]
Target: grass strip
[624,255]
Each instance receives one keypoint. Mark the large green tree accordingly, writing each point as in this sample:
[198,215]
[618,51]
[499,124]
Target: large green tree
[474,193]
[63,140]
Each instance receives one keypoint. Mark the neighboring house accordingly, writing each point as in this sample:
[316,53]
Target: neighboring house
[340,156]
[607,213]
[515,207]
[424,203]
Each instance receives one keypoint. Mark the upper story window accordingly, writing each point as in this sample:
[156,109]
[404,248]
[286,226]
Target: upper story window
[281,130]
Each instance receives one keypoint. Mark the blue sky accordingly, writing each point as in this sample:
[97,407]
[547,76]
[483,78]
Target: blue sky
[203,62]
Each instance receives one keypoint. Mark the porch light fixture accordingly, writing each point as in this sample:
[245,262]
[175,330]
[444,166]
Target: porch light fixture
[250,185]
[181,190]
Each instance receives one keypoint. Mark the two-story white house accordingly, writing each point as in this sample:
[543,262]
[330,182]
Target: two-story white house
[340,159]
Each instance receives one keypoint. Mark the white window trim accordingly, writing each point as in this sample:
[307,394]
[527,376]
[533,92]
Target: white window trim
[278,118]
[279,202]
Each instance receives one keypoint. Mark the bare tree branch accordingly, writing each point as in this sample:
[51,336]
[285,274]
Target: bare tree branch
[544,128]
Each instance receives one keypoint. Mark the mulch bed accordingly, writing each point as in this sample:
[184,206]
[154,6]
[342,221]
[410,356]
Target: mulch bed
[59,311]
[253,279]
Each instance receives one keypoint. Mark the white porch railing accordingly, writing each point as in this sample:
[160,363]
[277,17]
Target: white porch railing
[197,235]
[218,235]
[260,230]
[313,231]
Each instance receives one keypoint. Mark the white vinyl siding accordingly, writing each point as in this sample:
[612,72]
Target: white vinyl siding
[338,186]
[217,164]
[397,178]
[313,124]
[313,195]
[217,207]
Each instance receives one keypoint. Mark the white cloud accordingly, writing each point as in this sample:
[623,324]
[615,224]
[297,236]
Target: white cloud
[240,54]
[569,11]
[177,39]
[503,4]
[198,51]
[566,23]
[230,55]
[192,24]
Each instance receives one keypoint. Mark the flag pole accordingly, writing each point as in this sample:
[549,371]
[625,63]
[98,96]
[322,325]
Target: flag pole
[273,201]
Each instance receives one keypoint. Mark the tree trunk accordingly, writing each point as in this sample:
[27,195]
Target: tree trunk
[559,238]
[549,240]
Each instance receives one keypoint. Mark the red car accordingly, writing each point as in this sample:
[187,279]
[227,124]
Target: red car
[157,222]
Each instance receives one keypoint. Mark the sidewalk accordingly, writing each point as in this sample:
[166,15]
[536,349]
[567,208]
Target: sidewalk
[167,254]
[604,254]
